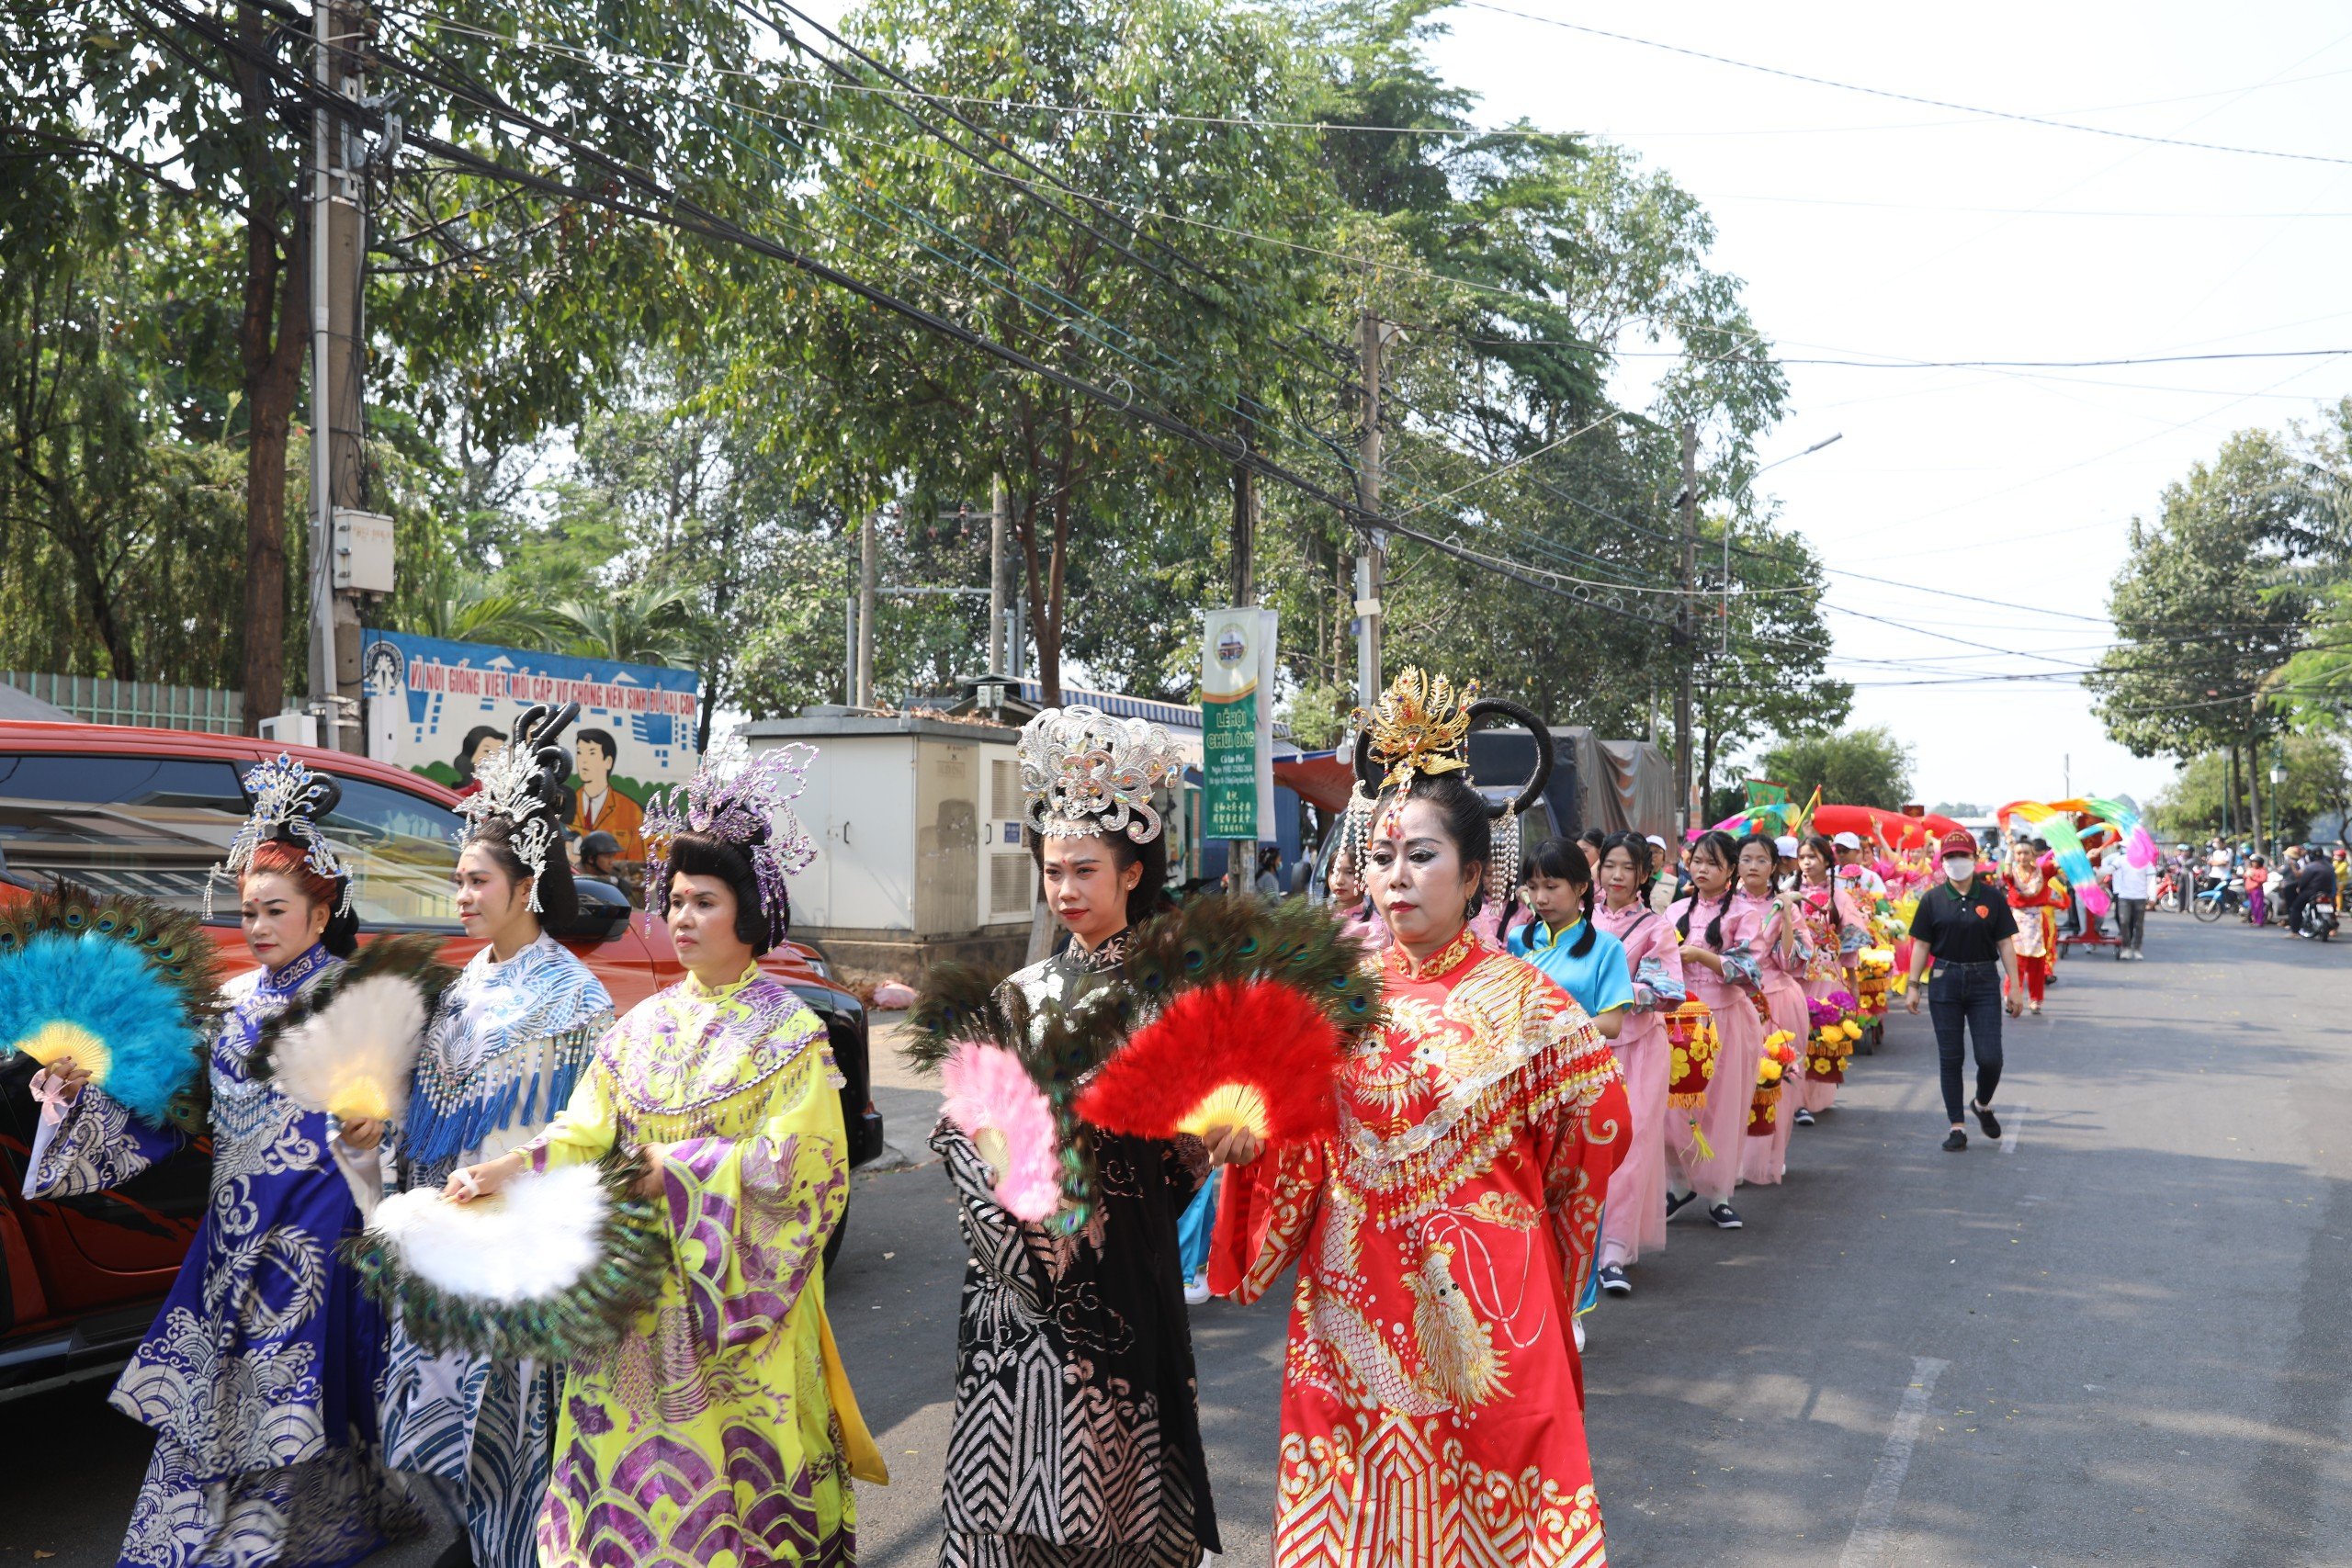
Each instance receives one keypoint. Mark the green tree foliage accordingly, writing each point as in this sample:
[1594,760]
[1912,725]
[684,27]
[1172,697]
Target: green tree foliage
[2206,606]
[115,492]
[491,301]
[599,432]
[2318,783]
[1083,283]
[1850,767]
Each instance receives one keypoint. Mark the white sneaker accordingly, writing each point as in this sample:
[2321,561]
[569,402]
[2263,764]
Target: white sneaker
[1579,1327]
[1196,1291]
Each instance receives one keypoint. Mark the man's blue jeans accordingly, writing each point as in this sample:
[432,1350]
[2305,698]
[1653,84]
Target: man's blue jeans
[1966,996]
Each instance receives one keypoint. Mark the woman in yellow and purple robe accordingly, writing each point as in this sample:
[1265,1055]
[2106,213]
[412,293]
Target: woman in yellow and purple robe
[720,1433]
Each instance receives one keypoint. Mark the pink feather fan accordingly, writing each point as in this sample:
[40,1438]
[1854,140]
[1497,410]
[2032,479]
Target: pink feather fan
[993,1098]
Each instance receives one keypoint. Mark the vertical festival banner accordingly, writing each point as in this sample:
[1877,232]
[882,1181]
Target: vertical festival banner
[1238,723]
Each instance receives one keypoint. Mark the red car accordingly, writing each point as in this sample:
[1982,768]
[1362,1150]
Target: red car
[150,811]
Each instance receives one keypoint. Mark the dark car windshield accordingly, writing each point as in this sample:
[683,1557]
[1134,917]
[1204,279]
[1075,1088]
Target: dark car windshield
[155,826]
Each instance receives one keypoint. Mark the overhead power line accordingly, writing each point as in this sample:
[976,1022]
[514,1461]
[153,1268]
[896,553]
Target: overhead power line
[1900,97]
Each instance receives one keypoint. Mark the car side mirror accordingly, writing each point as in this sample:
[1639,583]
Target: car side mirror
[603,913]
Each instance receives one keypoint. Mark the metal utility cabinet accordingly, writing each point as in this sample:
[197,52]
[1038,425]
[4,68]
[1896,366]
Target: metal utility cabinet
[920,853]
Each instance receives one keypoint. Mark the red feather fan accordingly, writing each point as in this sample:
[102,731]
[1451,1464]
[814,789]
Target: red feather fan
[1256,1055]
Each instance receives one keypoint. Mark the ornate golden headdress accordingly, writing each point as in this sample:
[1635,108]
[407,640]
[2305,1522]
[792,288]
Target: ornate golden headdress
[1419,726]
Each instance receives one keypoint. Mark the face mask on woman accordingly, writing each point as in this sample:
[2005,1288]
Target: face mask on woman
[1959,868]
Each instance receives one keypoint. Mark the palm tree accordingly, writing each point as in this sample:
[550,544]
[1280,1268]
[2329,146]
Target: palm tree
[479,609]
[647,622]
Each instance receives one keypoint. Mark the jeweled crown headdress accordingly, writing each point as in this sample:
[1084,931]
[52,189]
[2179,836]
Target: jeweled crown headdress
[288,799]
[524,783]
[742,800]
[1085,772]
[1421,726]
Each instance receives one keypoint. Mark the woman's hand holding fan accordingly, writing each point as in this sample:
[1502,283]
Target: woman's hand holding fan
[1232,1145]
[1251,1064]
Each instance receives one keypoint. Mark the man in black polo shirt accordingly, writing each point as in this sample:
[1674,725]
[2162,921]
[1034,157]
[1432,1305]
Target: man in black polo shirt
[1964,924]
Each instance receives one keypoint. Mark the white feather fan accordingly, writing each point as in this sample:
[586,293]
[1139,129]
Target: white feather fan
[353,1055]
[535,1238]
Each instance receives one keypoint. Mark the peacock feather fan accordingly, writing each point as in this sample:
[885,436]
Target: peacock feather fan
[350,1046]
[555,1267]
[1249,1004]
[955,1003]
[1237,939]
[126,987]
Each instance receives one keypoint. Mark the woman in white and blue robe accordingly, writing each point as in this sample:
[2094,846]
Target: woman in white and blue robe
[502,1054]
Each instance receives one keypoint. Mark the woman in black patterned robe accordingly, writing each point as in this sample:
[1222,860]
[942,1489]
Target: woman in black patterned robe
[1075,1441]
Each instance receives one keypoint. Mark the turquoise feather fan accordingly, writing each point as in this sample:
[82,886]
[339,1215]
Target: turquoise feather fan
[126,987]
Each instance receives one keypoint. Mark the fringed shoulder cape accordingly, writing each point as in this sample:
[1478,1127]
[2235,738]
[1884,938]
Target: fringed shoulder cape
[1432,1398]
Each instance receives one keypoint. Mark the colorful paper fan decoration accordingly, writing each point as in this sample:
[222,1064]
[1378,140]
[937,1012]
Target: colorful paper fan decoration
[350,1047]
[126,987]
[555,1267]
[1258,1054]
[1011,1123]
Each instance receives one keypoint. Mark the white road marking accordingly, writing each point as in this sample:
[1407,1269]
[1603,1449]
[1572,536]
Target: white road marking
[2009,1131]
[1866,1547]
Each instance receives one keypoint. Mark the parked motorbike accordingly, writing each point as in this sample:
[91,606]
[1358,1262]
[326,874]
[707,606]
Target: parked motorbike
[2219,897]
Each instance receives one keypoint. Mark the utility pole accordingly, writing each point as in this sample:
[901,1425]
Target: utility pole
[1687,811]
[340,533]
[1371,564]
[999,633]
[1241,854]
[1244,539]
[868,566]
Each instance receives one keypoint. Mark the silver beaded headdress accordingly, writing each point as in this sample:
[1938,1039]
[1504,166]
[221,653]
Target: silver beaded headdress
[742,800]
[1085,772]
[524,783]
[288,799]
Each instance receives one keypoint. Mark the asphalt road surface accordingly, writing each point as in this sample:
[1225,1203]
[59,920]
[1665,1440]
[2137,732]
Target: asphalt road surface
[2122,1335]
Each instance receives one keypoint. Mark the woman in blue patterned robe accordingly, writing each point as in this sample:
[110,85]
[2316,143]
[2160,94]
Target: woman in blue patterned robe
[502,1054]
[259,1375]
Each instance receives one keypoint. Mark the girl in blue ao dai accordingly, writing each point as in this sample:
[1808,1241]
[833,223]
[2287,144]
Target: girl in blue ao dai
[1579,956]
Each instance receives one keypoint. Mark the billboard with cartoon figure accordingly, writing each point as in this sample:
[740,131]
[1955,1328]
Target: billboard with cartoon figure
[439,707]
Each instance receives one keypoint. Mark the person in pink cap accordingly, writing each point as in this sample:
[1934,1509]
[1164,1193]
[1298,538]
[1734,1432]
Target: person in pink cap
[1965,925]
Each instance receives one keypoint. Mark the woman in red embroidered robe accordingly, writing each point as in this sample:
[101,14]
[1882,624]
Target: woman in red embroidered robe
[1433,1397]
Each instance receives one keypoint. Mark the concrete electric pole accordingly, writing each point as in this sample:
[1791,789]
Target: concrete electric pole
[869,562]
[1372,564]
[350,549]
[999,632]
[1687,811]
